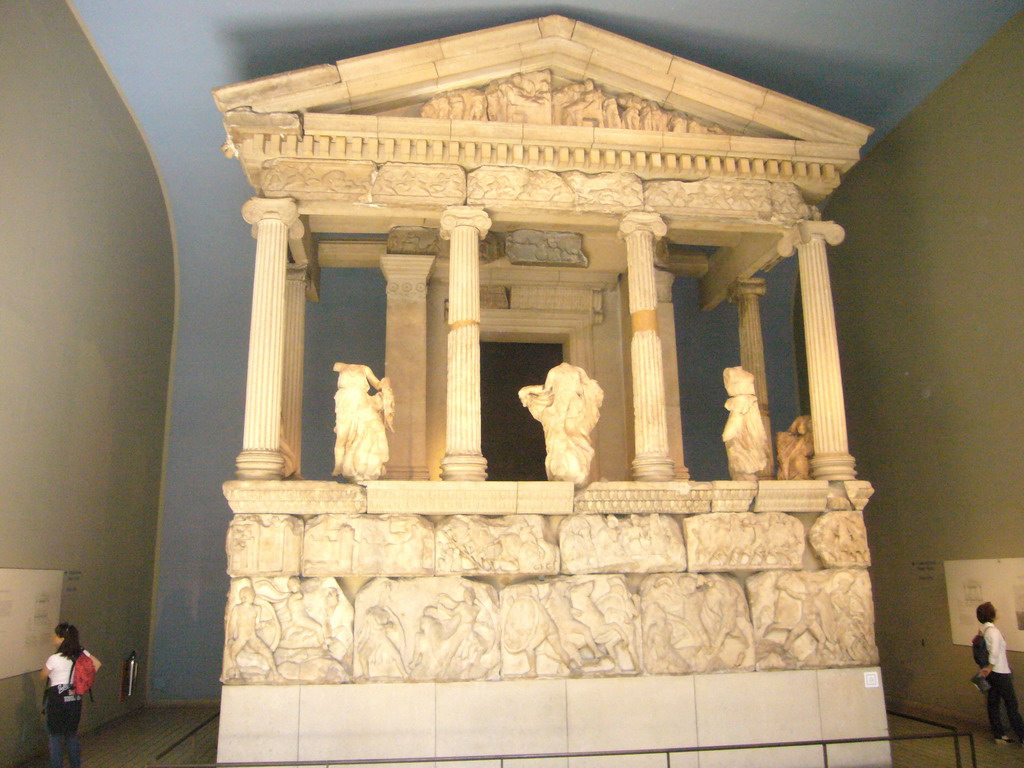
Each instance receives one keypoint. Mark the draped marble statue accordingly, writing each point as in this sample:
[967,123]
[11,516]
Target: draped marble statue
[744,436]
[795,447]
[361,447]
[568,406]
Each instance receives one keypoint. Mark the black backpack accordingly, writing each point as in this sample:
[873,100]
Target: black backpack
[980,650]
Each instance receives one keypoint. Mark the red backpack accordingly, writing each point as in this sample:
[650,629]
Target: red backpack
[83,674]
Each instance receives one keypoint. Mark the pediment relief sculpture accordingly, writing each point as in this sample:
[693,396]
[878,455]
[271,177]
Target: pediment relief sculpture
[530,97]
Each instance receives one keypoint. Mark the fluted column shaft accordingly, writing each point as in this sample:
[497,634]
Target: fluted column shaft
[294,357]
[651,461]
[465,227]
[406,361]
[746,295]
[832,459]
[670,363]
[260,458]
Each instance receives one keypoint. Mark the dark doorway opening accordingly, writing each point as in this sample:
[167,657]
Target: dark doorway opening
[512,441]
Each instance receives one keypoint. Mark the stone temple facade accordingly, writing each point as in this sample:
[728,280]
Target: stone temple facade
[541,181]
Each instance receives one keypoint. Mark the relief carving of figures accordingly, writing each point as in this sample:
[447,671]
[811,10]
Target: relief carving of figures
[809,619]
[523,98]
[727,541]
[788,204]
[795,447]
[264,544]
[585,104]
[840,540]
[287,630]
[417,241]
[368,545]
[338,180]
[361,447]
[745,440]
[474,545]
[490,185]
[443,628]
[568,406]
[606,191]
[743,199]
[572,626]
[556,249]
[435,185]
[463,104]
[695,624]
[611,544]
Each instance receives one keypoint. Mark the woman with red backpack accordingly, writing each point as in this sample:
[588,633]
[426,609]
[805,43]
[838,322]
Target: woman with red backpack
[63,696]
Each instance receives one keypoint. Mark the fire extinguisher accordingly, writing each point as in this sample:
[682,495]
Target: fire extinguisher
[129,669]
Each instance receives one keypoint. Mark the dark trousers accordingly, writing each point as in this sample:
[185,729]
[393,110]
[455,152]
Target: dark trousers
[1002,690]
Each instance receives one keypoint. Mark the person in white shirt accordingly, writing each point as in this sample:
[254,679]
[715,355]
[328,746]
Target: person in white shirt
[998,675]
[63,705]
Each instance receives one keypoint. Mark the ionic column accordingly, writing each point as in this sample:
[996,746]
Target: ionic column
[673,404]
[272,220]
[652,461]
[294,356]
[746,295]
[406,362]
[465,227]
[832,459]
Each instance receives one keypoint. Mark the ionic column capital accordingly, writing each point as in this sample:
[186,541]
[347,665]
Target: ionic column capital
[464,216]
[806,232]
[284,209]
[751,286]
[642,221]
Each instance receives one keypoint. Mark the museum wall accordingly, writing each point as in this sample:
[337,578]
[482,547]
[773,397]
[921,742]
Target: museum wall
[929,291]
[86,321]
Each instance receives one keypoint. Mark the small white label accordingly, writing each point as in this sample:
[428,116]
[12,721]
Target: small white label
[870,679]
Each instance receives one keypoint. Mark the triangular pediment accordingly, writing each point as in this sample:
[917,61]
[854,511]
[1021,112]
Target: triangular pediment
[593,71]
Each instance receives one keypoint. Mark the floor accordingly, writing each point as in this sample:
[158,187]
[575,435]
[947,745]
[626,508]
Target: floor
[169,736]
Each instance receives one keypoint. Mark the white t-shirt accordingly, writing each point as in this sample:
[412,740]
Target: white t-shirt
[59,668]
[996,648]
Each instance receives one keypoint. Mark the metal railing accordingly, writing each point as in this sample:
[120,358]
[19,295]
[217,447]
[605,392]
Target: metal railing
[500,760]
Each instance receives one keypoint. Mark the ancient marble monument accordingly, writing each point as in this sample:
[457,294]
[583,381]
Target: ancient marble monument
[545,181]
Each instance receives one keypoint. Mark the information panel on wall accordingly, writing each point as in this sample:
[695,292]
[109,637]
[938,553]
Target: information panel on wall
[1000,582]
[29,610]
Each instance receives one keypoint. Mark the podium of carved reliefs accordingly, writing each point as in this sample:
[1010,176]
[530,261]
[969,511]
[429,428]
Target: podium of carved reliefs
[477,546]
[443,628]
[572,626]
[568,406]
[806,620]
[612,544]
[728,541]
[368,545]
[795,447]
[361,446]
[694,624]
[269,545]
[287,630]
[840,540]
[744,437]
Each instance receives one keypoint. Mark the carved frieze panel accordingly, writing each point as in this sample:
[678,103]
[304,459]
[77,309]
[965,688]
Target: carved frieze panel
[461,104]
[287,630]
[674,498]
[368,545]
[606,192]
[711,197]
[474,545]
[628,544]
[417,184]
[269,545]
[730,541]
[498,187]
[415,241]
[840,540]
[788,204]
[295,497]
[441,628]
[347,181]
[695,624]
[571,626]
[545,248]
[809,619]
[523,98]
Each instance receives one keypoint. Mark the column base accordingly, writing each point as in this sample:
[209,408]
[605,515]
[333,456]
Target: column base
[832,466]
[464,467]
[653,469]
[259,464]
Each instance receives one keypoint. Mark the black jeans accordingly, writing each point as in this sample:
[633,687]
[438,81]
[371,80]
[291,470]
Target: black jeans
[1002,688]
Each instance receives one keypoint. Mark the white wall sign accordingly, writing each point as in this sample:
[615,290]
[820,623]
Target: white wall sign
[29,610]
[1000,582]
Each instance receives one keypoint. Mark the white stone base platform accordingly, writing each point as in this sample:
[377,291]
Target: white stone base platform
[336,722]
